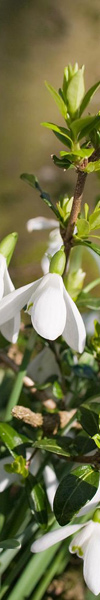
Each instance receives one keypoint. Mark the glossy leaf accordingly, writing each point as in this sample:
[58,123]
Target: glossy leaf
[88,96]
[89,420]
[37,500]
[62,163]
[81,153]
[52,445]
[10,437]
[7,246]
[71,495]
[57,98]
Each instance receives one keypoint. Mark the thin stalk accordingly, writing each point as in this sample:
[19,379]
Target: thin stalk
[17,388]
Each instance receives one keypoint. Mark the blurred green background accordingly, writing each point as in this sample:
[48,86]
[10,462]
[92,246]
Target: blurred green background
[37,39]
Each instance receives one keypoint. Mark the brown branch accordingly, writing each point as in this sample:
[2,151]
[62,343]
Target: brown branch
[67,234]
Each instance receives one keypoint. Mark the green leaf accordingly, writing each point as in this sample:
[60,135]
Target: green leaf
[92,166]
[33,181]
[97,439]
[89,420]
[94,220]
[7,246]
[62,131]
[9,544]
[57,98]
[37,500]
[57,391]
[71,495]
[90,286]
[81,127]
[89,302]
[83,227]
[81,153]
[51,445]
[88,96]
[10,437]
[86,243]
[62,163]
[75,91]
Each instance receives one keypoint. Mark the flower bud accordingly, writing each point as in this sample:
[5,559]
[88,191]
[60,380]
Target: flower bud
[96,516]
[58,262]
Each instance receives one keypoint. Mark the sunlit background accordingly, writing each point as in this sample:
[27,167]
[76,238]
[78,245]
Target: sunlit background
[37,39]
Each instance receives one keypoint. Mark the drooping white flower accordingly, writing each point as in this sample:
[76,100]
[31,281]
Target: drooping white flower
[53,312]
[86,544]
[55,239]
[9,329]
[39,223]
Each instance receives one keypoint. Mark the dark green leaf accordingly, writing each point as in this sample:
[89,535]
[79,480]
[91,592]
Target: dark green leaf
[89,420]
[71,495]
[37,500]
[9,544]
[88,97]
[33,181]
[62,163]
[51,445]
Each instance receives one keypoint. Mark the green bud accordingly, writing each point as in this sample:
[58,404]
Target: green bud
[7,246]
[75,91]
[96,516]
[58,262]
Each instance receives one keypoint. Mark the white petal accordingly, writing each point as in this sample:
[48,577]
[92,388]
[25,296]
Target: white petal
[51,483]
[35,463]
[8,285]
[48,313]
[90,505]
[1,285]
[53,537]
[80,539]
[10,329]
[43,366]
[13,302]
[2,270]
[91,569]
[45,262]
[39,223]
[74,331]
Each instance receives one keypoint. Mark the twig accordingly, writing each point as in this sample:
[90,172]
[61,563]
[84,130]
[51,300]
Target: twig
[50,422]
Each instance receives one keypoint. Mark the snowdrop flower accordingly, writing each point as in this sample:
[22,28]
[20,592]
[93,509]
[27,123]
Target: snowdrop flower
[39,223]
[86,543]
[54,244]
[55,240]
[9,329]
[53,312]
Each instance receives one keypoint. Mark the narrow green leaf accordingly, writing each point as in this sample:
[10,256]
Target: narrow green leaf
[32,573]
[71,495]
[9,544]
[17,388]
[37,500]
[7,246]
[90,286]
[86,243]
[60,130]
[57,98]
[33,181]
[89,302]
[88,96]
